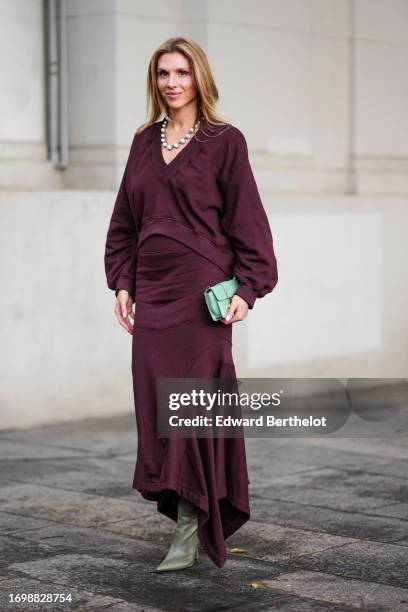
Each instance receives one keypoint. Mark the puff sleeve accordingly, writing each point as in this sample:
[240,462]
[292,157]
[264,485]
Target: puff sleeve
[246,224]
[121,240]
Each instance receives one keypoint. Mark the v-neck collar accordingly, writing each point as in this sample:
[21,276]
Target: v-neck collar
[167,170]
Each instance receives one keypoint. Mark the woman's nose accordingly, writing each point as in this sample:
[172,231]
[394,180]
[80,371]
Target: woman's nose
[172,79]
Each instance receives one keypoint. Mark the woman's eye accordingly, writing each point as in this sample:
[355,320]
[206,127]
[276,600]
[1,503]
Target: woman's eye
[164,73]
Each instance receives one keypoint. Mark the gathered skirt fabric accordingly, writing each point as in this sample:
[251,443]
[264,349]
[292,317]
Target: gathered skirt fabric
[175,337]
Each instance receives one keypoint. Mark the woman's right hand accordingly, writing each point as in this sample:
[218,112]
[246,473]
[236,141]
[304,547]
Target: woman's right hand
[123,310]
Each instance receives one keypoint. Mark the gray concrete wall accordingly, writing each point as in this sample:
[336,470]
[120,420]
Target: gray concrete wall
[318,87]
[23,150]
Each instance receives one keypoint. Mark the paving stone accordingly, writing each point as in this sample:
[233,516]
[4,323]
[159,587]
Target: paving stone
[66,506]
[129,457]
[263,474]
[81,600]
[271,542]
[124,606]
[109,485]
[27,470]
[17,450]
[65,539]
[263,541]
[342,489]
[367,484]
[104,538]
[293,603]
[277,468]
[70,519]
[6,483]
[305,452]
[397,468]
[331,498]
[13,549]
[371,561]
[394,510]
[138,583]
[389,447]
[10,523]
[111,465]
[92,435]
[336,589]
[87,601]
[151,525]
[325,520]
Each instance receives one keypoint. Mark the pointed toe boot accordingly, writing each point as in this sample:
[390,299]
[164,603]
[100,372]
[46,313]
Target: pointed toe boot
[184,548]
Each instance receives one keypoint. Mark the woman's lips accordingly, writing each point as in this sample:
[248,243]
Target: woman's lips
[173,95]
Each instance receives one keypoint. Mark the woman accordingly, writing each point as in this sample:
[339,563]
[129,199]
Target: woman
[187,215]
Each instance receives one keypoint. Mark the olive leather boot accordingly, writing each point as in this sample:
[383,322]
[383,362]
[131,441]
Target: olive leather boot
[184,548]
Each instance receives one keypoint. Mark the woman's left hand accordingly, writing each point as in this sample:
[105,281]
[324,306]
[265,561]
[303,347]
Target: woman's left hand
[237,311]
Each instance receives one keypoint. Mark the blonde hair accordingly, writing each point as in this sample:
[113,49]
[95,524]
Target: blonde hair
[207,92]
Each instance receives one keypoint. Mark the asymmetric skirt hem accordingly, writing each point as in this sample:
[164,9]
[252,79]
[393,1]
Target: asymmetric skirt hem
[155,492]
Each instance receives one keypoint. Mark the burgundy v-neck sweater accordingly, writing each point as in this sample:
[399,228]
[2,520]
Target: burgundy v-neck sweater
[206,197]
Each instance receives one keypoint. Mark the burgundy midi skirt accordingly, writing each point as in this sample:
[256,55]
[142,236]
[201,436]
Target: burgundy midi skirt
[175,337]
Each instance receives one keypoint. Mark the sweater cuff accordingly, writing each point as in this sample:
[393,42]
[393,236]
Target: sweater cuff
[127,284]
[247,294]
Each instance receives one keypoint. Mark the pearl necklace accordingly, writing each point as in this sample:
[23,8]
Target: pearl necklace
[182,141]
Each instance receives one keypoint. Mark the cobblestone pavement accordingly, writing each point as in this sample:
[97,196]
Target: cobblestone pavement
[328,528]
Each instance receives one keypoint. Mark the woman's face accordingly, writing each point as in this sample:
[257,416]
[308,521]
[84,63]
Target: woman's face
[174,76]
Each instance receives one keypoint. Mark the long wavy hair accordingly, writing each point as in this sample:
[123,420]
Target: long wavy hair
[207,92]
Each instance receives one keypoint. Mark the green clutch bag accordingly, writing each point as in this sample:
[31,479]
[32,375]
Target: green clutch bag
[218,298]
